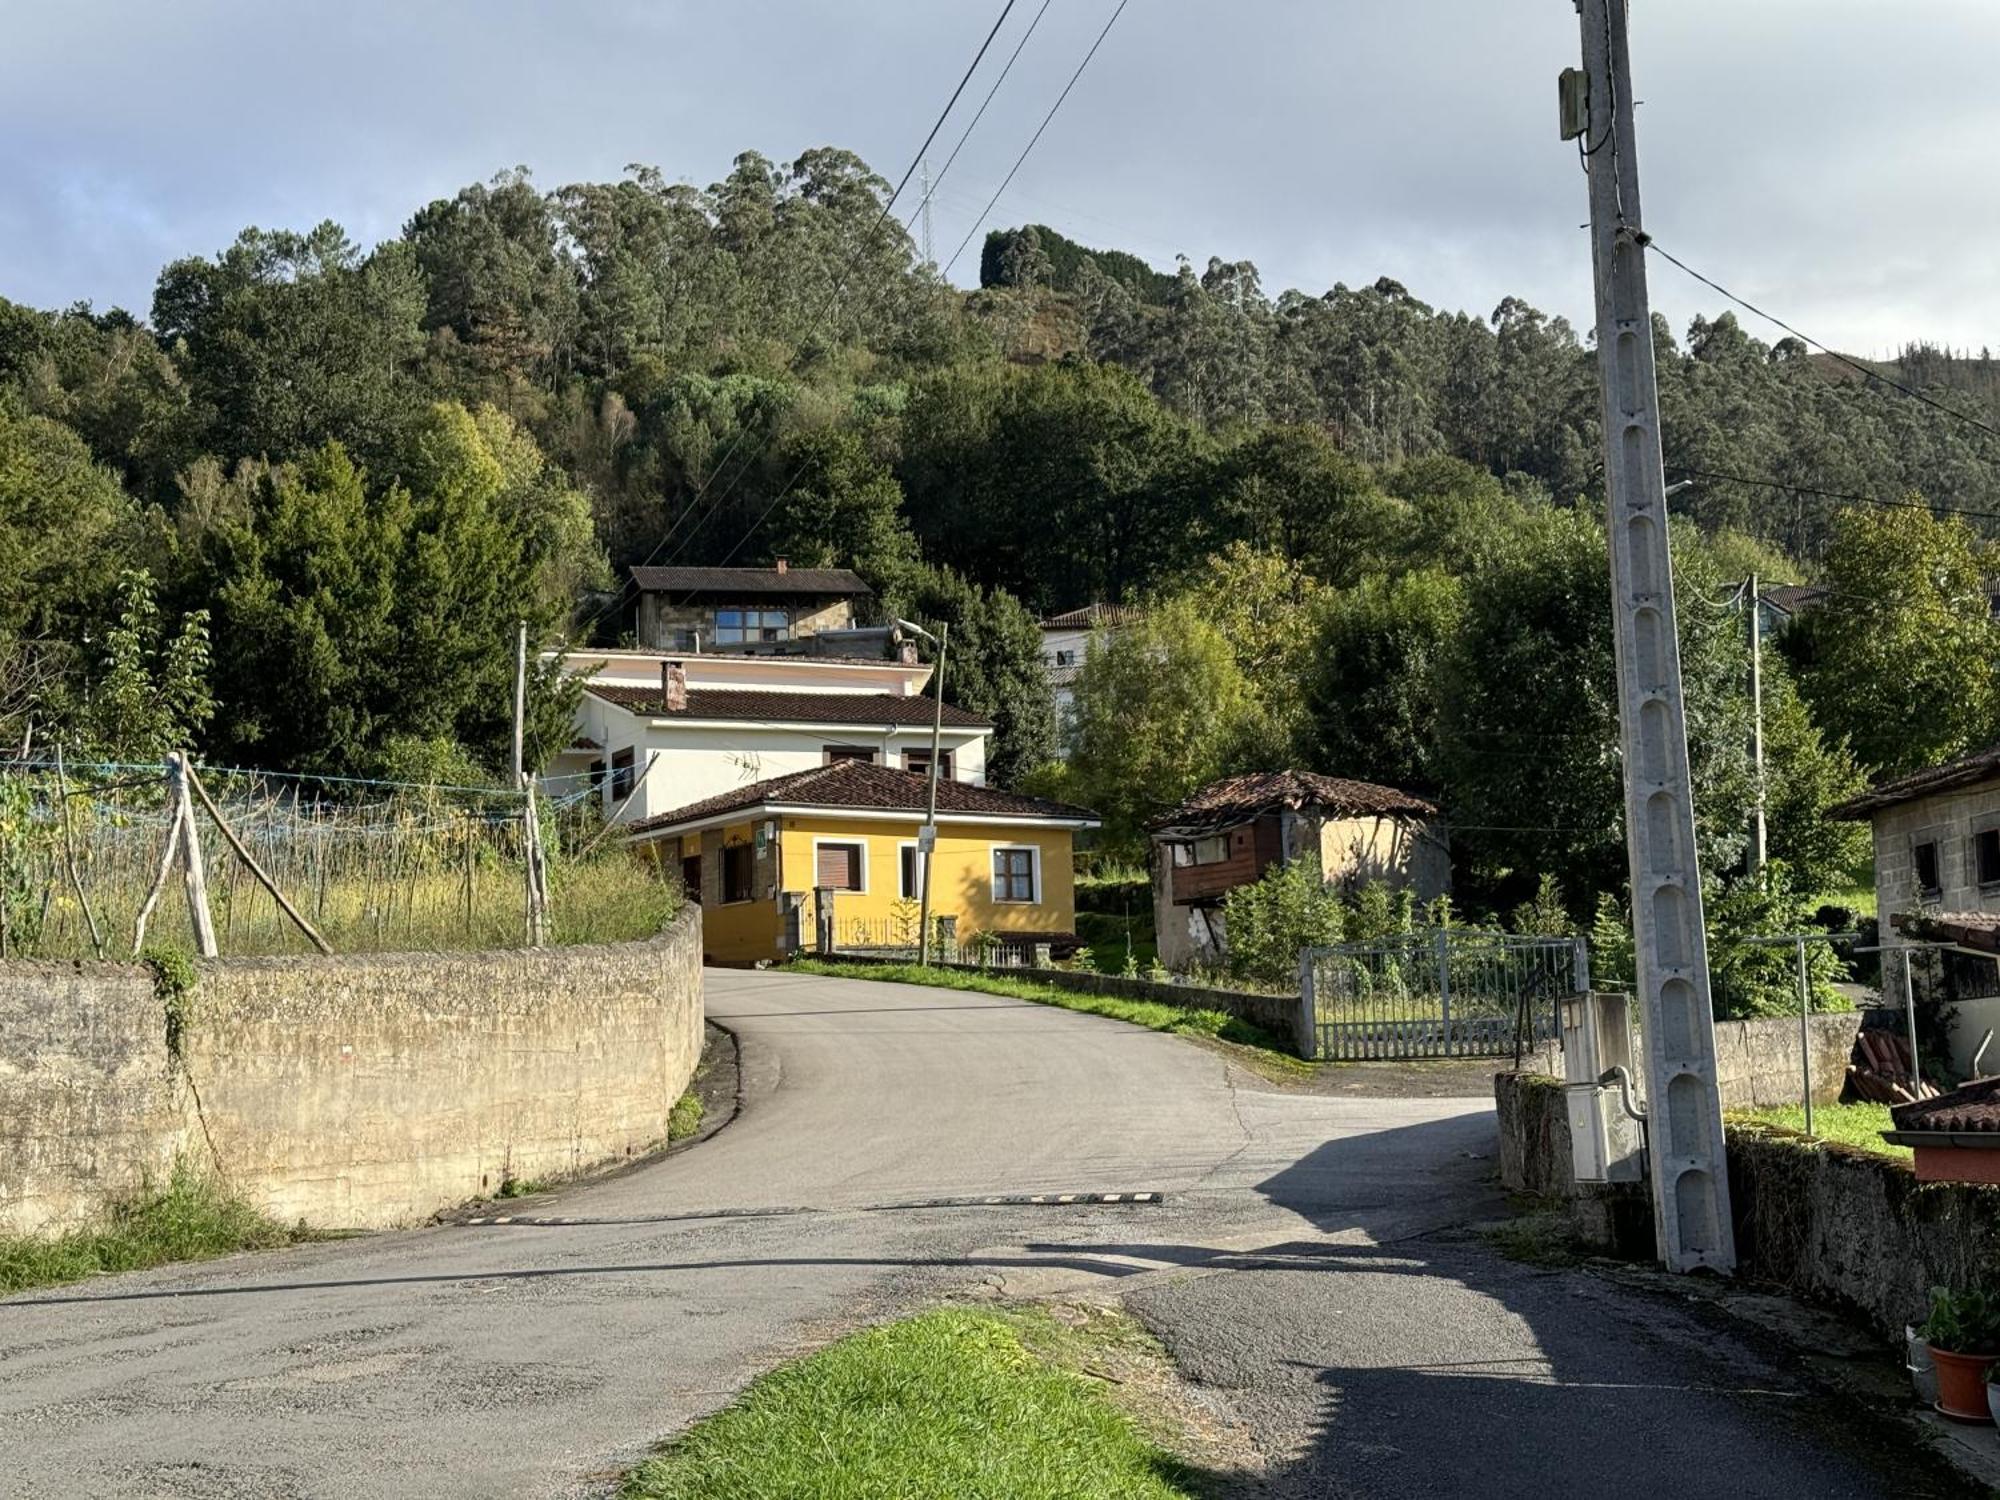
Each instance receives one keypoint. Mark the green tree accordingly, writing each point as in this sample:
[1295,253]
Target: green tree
[840,507]
[63,522]
[995,667]
[1269,920]
[1161,708]
[1290,490]
[1899,659]
[152,694]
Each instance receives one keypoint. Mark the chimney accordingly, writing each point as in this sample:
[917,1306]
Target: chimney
[673,686]
[783,563]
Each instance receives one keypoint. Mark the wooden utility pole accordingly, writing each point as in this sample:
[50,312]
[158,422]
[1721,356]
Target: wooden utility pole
[1684,1115]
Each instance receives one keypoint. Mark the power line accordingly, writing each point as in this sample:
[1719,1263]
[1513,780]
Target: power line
[1843,495]
[930,191]
[839,286]
[976,223]
[1853,364]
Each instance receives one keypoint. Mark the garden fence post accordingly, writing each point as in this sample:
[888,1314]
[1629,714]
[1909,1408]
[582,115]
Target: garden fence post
[1443,944]
[1805,1037]
[1308,1017]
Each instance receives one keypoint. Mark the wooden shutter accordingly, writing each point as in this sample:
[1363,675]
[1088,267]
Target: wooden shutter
[839,867]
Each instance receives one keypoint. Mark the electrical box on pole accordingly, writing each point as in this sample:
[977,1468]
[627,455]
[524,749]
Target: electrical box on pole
[1683,1105]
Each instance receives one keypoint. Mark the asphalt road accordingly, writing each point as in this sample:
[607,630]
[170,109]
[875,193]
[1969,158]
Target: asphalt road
[1301,1263]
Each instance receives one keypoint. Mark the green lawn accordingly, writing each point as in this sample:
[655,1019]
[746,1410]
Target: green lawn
[955,1404]
[1271,1053]
[190,1220]
[1850,1124]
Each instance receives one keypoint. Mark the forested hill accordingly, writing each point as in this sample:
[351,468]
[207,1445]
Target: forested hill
[342,452]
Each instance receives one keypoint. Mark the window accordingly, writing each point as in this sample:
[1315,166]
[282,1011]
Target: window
[691,877]
[597,775]
[1209,851]
[621,775]
[910,886]
[1986,849]
[832,753]
[840,867]
[1065,658]
[742,627]
[1925,858]
[1014,872]
[920,762]
[739,866]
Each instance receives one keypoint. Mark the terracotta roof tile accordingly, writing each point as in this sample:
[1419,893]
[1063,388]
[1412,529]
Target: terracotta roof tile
[812,708]
[1240,798]
[1967,770]
[862,784]
[1093,615]
[1973,1109]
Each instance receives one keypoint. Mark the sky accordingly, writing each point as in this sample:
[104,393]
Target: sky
[1826,159]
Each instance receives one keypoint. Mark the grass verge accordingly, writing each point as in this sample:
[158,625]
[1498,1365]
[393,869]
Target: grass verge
[971,1404]
[1859,1125]
[1256,1047]
[192,1219]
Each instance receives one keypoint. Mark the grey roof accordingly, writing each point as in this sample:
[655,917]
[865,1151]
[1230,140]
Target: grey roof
[743,583]
[1967,770]
[869,709]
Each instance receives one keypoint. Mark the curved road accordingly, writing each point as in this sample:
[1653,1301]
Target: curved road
[540,1358]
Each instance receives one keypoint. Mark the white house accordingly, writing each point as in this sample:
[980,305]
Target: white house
[723,721]
[1065,640]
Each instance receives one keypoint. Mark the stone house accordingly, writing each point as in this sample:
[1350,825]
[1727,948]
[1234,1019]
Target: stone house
[1937,873]
[746,610]
[1230,833]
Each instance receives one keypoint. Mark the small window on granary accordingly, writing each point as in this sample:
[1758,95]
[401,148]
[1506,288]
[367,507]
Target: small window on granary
[1925,858]
[1986,852]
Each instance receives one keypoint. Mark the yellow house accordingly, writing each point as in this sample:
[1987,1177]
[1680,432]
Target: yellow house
[758,857]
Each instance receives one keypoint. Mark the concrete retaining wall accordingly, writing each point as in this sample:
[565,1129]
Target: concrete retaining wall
[1757,1062]
[359,1091]
[1822,1221]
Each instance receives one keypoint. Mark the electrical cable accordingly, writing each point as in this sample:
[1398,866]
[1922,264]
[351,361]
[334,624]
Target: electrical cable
[1046,119]
[1853,364]
[1844,496]
[839,286]
[937,182]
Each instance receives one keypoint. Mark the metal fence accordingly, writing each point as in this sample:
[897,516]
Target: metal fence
[1445,993]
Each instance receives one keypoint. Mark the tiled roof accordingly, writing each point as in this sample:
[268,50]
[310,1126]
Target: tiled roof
[1240,798]
[1093,615]
[1790,598]
[1967,770]
[1973,1109]
[812,708]
[1968,929]
[744,582]
[862,784]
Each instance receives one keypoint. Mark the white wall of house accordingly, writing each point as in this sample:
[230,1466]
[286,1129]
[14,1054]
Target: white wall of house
[777,674]
[701,758]
[1953,822]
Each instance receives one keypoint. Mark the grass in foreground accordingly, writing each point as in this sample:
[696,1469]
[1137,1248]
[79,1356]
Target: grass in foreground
[1256,1046]
[685,1117]
[971,1405]
[1850,1124]
[191,1220]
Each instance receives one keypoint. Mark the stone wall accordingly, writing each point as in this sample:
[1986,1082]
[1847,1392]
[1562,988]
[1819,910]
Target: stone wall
[361,1091]
[1758,1062]
[1822,1221]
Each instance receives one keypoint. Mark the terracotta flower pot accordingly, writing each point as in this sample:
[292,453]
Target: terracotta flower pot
[1961,1380]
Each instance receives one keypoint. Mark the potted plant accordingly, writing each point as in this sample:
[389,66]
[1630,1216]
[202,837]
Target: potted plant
[1963,1336]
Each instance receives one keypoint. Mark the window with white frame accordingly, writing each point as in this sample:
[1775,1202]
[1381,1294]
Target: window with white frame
[742,627]
[1015,874]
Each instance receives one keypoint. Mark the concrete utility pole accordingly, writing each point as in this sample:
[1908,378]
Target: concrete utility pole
[1757,729]
[1689,1169]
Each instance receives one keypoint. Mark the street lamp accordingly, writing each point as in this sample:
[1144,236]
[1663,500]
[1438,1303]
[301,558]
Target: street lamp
[927,835]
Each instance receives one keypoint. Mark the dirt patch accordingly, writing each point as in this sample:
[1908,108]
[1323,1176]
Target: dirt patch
[1416,1078]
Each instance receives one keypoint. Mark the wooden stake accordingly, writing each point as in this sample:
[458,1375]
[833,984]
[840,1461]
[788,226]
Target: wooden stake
[159,882]
[312,933]
[193,870]
[69,856]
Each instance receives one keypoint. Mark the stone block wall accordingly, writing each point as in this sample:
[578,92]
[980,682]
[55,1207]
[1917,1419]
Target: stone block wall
[353,1092]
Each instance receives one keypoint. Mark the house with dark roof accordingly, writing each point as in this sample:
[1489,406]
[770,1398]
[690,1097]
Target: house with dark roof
[777,610]
[1066,638]
[833,851]
[1937,881]
[656,731]
[1231,832]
